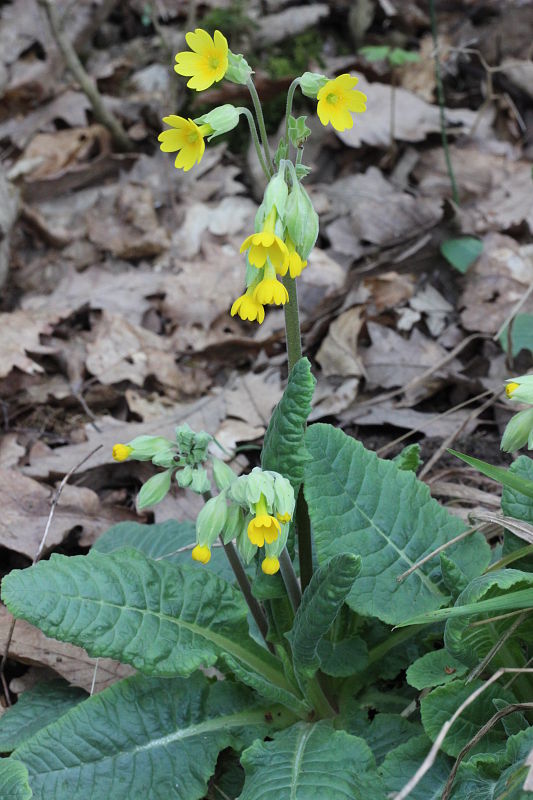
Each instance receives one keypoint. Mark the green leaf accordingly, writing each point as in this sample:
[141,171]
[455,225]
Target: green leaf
[374,52]
[344,658]
[267,690]
[35,709]
[454,578]
[144,738]
[307,762]
[362,504]
[384,733]
[471,643]
[409,458]
[510,601]
[435,669]
[163,619]
[520,506]
[401,764]
[482,783]
[521,334]
[499,474]
[283,448]
[462,252]
[438,706]
[14,780]
[398,57]
[321,602]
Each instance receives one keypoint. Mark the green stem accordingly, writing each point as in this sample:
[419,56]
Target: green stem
[261,122]
[292,323]
[255,138]
[290,580]
[288,109]
[440,96]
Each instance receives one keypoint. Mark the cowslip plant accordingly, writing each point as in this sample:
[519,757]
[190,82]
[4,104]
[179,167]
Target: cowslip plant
[296,589]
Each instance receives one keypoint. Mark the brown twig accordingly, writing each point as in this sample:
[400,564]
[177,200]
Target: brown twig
[37,557]
[88,86]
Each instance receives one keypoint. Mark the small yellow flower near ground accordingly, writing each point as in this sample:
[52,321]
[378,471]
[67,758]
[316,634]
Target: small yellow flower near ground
[270,566]
[266,244]
[263,527]
[270,290]
[284,517]
[187,138]
[208,61]
[296,264]
[201,553]
[338,100]
[121,452]
[510,388]
[248,308]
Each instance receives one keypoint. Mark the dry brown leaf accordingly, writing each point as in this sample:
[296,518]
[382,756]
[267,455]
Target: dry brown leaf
[389,290]
[30,646]
[10,451]
[338,354]
[495,284]
[235,430]
[20,333]
[61,150]
[229,217]
[408,418]
[291,21]
[330,398]
[26,506]
[252,397]
[419,77]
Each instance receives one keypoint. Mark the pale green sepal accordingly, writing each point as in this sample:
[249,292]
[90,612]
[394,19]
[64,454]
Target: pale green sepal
[244,545]
[238,71]
[298,130]
[276,194]
[146,447]
[222,473]
[211,520]
[166,458]
[301,220]
[154,490]
[275,549]
[311,83]
[193,446]
[519,431]
[221,119]
[200,481]
[234,524]
[284,495]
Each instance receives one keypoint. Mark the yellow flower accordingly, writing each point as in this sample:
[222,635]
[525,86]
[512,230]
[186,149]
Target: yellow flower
[296,263]
[270,566]
[266,244]
[263,527]
[284,517]
[248,308]
[201,553]
[338,99]
[208,61]
[510,388]
[270,290]
[121,451]
[187,138]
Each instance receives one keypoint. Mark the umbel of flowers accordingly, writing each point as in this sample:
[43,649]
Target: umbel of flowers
[286,225]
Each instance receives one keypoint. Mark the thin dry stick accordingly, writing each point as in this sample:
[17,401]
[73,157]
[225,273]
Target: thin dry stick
[495,648]
[40,549]
[453,436]
[510,709]
[101,113]
[431,756]
[438,550]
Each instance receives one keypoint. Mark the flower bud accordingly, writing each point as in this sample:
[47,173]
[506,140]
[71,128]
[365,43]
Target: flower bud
[154,490]
[301,220]
[276,194]
[520,389]
[201,553]
[244,545]
[121,451]
[143,448]
[234,523]
[211,519]
[193,446]
[238,70]
[270,565]
[298,130]
[221,120]
[258,483]
[519,430]
[223,475]
[284,498]
[311,83]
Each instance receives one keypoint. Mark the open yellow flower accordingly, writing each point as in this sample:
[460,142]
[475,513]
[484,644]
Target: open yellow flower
[207,62]
[266,244]
[121,452]
[338,100]
[263,527]
[248,308]
[270,290]
[187,138]
[201,553]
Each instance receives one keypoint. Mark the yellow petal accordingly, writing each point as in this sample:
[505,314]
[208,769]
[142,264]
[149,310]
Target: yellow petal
[188,63]
[171,141]
[356,101]
[221,43]
[346,81]
[199,41]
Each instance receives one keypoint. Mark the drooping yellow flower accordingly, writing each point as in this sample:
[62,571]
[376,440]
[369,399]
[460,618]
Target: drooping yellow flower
[263,527]
[201,553]
[270,566]
[284,517]
[510,388]
[248,308]
[266,244]
[121,451]
[296,263]
[270,290]
[207,62]
[187,138]
[338,100]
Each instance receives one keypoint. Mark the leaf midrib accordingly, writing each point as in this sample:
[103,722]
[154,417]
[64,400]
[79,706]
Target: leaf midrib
[298,758]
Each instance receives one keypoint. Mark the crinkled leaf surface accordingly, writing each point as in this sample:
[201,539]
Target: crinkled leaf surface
[384,733]
[143,738]
[470,643]
[14,780]
[35,709]
[520,506]
[283,448]
[401,764]
[435,669]
[344,658]
[365,505]
[161,618]
[306,762]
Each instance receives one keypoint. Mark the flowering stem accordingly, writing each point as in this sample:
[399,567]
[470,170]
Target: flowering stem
[261,122]
[288,109]
[292,323]
[255,138]
[289,579]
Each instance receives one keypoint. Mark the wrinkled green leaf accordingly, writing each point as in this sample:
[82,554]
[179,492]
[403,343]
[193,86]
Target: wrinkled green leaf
[307,762]
[481,783]
[462,252]
[344,658]
[365,505]
[375,52]
[14,780]
[265,689]
[35,709]
[283,448]
[321,602]
[499,474]
[144,738]
[160,542]
[161,618]
[384,733]
[520,506]
[401,764]
[435,669]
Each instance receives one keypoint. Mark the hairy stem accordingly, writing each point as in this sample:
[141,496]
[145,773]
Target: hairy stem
[288,109]
[261,123]
[292,323]
[440,96]
[255,138]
